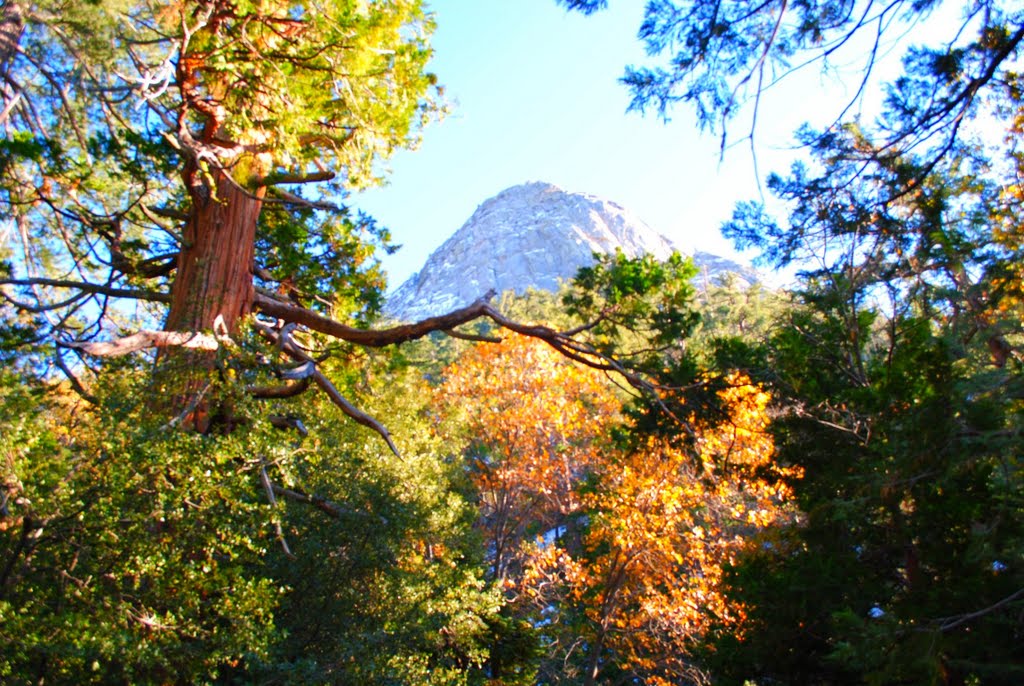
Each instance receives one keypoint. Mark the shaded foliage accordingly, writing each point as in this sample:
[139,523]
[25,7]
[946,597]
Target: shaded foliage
[135,551]
[901,373]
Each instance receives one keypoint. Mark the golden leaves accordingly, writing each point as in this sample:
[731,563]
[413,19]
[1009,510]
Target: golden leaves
[537,423]
[663,525]
[631,543]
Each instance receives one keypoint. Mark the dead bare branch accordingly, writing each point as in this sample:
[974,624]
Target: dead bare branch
[167,213]
[143,340]
[565,344]
[269,487]
[373,338]
[290,390]
[285,197]
[284,423]
[303,371]
[86,287]
[353,412]
[76,384]
[323,504]
[189,409]
[949,623]
[283,341]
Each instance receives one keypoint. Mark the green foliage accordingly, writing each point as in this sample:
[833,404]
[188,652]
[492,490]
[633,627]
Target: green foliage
[135,551]
[539,307]
[912,525]
[392,591]
[127,549]
[325,261]
[275,94]
[734,322]
[638,301]
[904,411]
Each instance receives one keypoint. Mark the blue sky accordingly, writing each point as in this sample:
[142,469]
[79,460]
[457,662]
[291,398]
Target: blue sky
[535,97]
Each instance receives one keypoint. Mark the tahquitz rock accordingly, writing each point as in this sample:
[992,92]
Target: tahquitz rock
[533,235]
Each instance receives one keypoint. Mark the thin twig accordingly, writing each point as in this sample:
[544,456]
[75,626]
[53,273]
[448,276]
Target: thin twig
[269,487]
[949,623]
[189,409]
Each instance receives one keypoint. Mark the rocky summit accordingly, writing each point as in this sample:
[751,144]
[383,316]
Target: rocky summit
[532,235]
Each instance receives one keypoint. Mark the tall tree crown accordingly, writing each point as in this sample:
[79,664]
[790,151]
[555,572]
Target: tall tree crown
[123,120]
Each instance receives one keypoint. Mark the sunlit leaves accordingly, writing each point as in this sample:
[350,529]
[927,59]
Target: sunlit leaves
[637,306]
[621,549]
[535,425]
[304,82]
[127,551]
[661,527]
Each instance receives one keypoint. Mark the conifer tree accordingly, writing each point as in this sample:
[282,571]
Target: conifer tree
[897,375]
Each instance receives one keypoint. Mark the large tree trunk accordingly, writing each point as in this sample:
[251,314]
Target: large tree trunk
[212,290]
[214,278]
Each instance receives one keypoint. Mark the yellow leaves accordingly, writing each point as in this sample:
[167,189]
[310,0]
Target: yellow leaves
[741,439]
[655,526]
[540,415]
[663,525]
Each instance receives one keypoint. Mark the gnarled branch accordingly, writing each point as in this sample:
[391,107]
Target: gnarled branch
[352,411]
[151,339]
[283,341]
[288,390]
[290,316]
[476,338]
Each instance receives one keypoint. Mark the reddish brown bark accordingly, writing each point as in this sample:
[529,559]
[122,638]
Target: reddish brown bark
[213,281]
[215,267]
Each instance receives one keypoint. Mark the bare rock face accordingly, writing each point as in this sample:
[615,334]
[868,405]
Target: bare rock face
[533,235]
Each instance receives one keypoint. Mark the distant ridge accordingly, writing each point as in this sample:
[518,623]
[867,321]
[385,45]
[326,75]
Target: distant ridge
[532,235]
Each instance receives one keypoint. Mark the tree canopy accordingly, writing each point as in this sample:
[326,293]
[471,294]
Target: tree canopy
[147,157]
[821,486]
[896,371]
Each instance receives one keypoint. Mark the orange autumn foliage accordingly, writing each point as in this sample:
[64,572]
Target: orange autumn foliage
[632,580]
[663,524]
[537,423]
